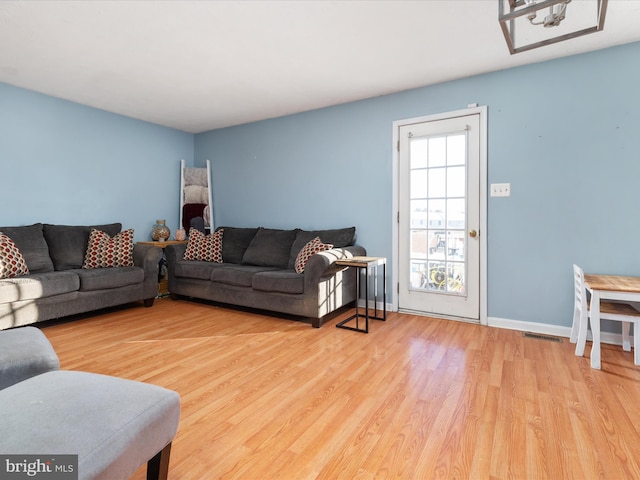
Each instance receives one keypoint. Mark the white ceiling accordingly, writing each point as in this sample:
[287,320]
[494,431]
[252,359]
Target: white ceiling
[201,65]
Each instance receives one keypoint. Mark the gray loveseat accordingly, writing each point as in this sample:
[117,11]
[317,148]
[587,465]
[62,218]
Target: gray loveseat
[58,286]
[257,271]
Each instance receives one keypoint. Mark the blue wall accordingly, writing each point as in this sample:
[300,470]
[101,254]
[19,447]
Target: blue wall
[70,164]
[563,133]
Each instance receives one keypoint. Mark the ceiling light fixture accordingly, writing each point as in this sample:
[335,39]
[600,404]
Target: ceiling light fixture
[524,15]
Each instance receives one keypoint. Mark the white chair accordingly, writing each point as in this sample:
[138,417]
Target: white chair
[619,311]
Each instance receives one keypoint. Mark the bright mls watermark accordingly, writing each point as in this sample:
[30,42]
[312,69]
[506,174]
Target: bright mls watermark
[39,467]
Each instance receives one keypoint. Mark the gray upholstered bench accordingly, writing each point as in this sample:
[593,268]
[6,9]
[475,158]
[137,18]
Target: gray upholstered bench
[24,353]
[114,425]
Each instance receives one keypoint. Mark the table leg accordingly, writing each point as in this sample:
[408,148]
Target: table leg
[366,298]
[626,342]
[369,312]
[595,329]
[384,291]
[358,286]
[357,315]
[375,292]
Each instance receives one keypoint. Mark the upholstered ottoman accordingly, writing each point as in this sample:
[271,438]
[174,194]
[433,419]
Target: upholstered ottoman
[114,425]
[24,353]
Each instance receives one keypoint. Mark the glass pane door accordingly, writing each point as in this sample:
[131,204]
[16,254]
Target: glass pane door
[439,217]
[438,211]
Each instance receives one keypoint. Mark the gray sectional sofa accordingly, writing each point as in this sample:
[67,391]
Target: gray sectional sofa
[58,286]
[257,271]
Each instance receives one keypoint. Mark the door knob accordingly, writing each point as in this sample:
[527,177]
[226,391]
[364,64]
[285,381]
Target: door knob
[473,233]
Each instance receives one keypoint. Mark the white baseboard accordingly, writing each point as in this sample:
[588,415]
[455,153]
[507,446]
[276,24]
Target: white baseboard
[533,327]
[548,329]
[373,304]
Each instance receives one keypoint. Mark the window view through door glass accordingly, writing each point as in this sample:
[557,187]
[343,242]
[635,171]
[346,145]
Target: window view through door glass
[438,173]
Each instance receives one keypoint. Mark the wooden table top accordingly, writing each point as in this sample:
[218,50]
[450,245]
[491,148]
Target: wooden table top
[361,261]
[612,283]
[163,244]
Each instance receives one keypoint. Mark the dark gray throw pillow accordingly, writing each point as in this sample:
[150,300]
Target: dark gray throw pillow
[235,242]
[338,237]
[68,243]
[270,248]
[32,245]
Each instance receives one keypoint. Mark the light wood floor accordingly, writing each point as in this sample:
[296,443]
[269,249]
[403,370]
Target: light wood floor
[416,398]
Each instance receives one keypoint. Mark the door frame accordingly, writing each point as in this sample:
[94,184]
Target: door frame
[395,275]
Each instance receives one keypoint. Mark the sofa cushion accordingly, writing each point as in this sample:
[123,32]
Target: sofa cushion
[207,248]
[239,275]
[197,269]
[283,281]
[12,263]
[30,240]
[38,285]
[68,243]
[270,248]
[105,278]
[236,241]
[104,251]
[339,237]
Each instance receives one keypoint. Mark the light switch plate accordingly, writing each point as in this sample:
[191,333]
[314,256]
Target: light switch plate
[500,189]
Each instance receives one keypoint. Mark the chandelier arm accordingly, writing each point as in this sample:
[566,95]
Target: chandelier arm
[513,14]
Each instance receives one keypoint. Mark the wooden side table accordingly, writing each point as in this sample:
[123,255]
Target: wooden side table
[164,244]
[365,264]
[163,281]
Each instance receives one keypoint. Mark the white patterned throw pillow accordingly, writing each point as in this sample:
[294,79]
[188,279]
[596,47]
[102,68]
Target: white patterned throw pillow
[108,252]
[206,248]
[12,263]
[311,248]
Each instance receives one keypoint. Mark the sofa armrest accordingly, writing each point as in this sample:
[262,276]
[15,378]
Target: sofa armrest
[323,263]
[148,257]
[174,254]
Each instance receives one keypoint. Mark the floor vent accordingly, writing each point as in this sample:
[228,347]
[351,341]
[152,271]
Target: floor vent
[537,336]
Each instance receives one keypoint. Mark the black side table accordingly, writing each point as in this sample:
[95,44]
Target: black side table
[365,264]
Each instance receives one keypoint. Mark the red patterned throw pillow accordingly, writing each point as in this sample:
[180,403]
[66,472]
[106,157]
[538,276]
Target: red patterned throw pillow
[107,252]
[311,248]
[12,263]
[207,248]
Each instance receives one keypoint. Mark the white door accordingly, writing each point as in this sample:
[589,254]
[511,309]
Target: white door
[439,217]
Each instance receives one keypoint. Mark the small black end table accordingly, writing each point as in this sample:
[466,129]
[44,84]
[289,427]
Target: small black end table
[365,264]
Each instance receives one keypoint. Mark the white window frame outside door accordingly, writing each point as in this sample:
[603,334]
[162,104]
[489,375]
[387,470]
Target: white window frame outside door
[482,236]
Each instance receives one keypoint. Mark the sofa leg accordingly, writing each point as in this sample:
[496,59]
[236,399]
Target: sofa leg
[148,302]
[316,322]
[158,466]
